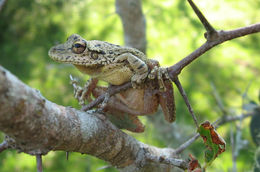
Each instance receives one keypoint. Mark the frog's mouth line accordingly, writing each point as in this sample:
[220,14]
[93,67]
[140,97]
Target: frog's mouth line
[70,59]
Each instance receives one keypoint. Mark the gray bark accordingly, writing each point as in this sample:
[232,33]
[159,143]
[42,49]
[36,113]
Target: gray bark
[134,24]
[36,126]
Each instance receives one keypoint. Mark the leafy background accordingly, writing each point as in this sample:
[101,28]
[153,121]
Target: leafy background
[30,27]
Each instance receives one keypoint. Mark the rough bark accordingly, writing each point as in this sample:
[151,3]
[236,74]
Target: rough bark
[35,125]
[134,24]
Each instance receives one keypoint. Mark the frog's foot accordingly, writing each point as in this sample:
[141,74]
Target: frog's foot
[87,90]
[78,90]
[160,73]
[83,94]
[138,79]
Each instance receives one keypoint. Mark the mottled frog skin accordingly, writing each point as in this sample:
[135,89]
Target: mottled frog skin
[102,60]
[117,65]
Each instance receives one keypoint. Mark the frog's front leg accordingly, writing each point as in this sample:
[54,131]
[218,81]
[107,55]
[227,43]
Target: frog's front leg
[140,68]
[88,88]
[82,94]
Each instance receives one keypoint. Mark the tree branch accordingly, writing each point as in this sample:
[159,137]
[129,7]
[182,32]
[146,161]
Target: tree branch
[36,126]
[39,162]
[176,69]
[114,90]
[133,20]
[221,121]
[184,95]
[222,36]
[203,19]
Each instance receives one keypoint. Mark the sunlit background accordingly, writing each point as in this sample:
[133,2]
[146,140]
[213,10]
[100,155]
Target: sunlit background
[30,27]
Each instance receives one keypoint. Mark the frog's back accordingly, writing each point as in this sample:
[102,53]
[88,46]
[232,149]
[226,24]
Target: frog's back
[113,49]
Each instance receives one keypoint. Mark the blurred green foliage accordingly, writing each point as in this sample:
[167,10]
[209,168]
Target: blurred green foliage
[30,27]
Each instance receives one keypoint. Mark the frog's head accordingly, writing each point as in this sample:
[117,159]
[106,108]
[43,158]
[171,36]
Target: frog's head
[73,51]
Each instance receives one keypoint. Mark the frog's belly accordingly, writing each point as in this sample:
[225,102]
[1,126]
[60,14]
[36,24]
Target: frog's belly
[116,76]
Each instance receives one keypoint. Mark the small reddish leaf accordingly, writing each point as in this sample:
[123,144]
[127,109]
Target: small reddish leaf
[193,164]
[214,142]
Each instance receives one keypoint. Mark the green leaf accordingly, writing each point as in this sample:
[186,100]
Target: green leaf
[214,143]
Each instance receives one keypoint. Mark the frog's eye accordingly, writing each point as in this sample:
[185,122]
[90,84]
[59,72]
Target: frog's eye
[78,47]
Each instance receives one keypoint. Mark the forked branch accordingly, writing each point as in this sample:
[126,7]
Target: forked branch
[213,37]
[221,121]
[202,18]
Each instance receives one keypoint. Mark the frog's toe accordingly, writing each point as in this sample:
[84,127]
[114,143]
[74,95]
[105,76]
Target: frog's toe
[134,85]
[137,82]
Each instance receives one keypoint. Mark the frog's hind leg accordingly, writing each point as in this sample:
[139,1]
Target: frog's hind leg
[82,94]
[167,102]
[120,114]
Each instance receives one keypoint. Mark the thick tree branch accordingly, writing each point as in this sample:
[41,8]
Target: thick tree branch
[133,20]
[36,126]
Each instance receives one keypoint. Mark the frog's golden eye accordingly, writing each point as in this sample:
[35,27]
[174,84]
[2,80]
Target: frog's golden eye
[78,47]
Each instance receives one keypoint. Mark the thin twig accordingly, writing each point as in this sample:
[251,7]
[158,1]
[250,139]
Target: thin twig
[233,146]
[39,162]
[186,144]
[3,146]
[202,18]
[218,99]
[228,119]
[223,36]
[98,100]
[219,122]
[67,155]
[104,167]
[172,161]
[181,90]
